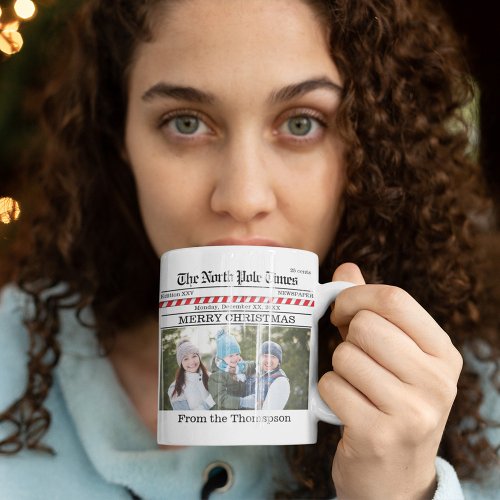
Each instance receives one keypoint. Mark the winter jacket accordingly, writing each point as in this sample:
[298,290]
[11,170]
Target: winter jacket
[227,389]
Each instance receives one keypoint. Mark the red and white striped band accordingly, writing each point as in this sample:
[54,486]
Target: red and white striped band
[224,299]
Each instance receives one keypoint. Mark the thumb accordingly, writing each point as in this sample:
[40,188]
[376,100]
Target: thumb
[349,272]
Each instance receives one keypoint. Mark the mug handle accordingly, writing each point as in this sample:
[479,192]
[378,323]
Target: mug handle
[327,293]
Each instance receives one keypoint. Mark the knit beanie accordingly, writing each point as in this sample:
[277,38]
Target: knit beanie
[272,348]
[226,345]
[184,348]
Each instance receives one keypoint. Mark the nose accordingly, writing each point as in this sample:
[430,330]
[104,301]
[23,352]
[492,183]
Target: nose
[244,188]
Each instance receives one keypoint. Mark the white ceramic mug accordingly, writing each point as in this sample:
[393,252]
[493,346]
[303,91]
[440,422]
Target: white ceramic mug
[238,346]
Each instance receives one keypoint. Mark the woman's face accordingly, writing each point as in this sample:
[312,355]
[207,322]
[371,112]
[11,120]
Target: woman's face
[268,362]
[230,127]
[191,363]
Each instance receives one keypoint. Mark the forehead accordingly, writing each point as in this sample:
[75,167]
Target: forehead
[229,41]
[210,20]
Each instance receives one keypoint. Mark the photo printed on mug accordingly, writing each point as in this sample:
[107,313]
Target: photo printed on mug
[238,346]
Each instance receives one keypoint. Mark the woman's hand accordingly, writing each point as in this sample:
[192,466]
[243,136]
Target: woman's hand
[393,383]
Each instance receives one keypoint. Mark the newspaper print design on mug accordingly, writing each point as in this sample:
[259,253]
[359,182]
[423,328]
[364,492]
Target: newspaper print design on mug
[238,346]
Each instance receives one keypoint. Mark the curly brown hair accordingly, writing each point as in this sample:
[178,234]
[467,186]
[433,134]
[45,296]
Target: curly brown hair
[411,195]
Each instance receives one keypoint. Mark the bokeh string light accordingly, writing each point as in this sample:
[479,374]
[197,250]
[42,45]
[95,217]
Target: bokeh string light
[11,17]
[13,13]
[9,210]
[25,9]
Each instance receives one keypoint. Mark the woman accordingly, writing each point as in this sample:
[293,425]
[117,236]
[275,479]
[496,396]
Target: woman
[332,126]
[273,384]
[189,390]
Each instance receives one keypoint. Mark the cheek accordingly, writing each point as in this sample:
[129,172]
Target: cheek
[333,181]
[169,191]
[170,200]
[325,203]
[157,211]
[315,197]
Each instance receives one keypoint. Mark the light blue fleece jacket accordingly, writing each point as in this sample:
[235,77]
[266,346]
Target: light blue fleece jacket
[103,450]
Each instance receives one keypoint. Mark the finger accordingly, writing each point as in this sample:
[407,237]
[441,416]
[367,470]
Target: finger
[388,345]
[352,407]
[381,387]
[399,308]
[346,272]
[395,351]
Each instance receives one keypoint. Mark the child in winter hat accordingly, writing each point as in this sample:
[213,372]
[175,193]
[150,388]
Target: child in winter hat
[226,344]
[227,383]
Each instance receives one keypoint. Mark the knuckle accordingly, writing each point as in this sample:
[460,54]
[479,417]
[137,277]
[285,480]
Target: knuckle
[443,379]
[356,327]
[361,321]
[457,360]
[413,432]
[443,387]
[325,383]
[361,329]
[452,356]
[392,297]
[426,419]
[382,442]
[421,421]
[449,391]
[342,356]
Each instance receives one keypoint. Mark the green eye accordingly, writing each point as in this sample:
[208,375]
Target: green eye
[299,125]
[186,124]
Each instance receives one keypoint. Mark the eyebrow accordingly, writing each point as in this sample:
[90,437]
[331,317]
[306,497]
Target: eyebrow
[299,89]
[166,90]
[162,89]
